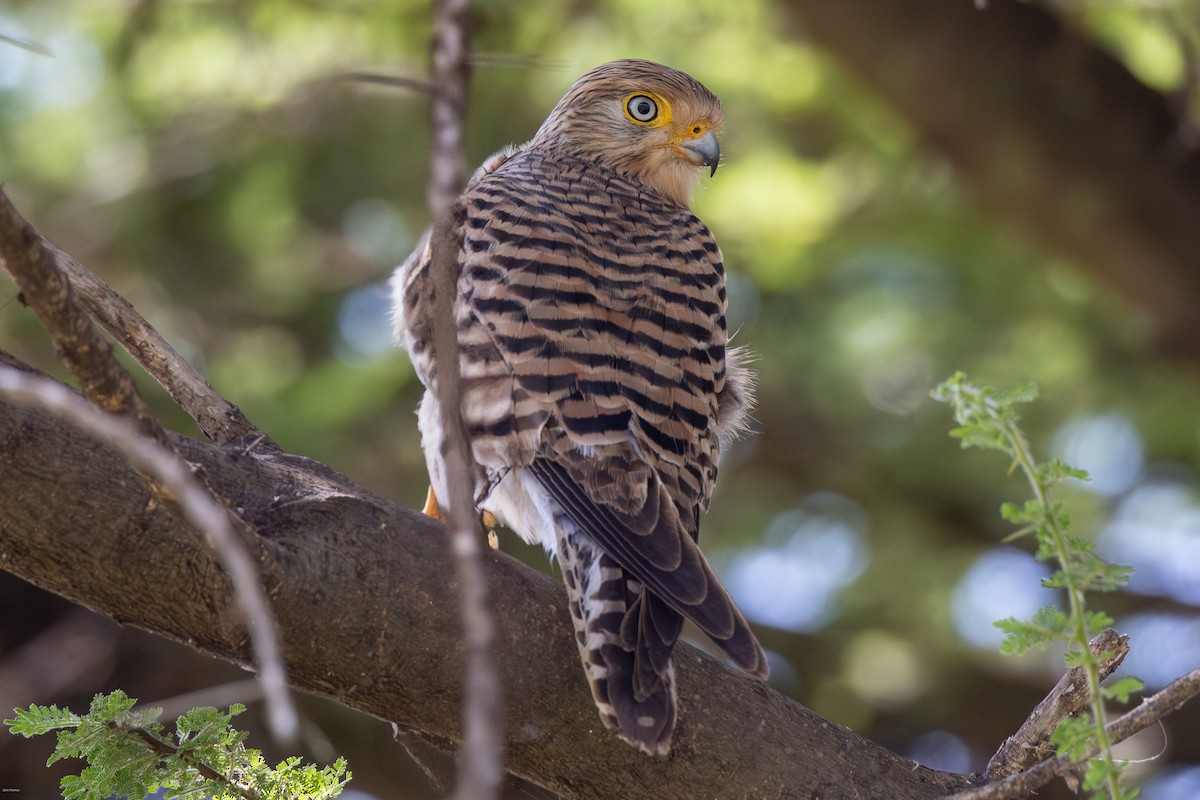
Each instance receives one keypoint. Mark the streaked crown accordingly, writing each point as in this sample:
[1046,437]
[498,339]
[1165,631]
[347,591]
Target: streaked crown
[652,123]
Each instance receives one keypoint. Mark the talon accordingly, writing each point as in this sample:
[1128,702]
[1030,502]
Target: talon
[431,505]
[489,524]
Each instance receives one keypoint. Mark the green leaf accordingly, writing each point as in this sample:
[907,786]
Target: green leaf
[1073,737]
[988,419]
[1021,393]
[120,762]
[1120,690]
[1054,471]
[40,719]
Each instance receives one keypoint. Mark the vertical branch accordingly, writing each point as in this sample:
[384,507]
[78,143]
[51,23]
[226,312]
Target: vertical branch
[479,768]
[447,165]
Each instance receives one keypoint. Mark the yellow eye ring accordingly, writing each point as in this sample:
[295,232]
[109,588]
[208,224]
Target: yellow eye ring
[647,109]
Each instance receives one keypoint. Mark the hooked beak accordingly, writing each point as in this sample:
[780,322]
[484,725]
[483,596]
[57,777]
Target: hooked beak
[704,151]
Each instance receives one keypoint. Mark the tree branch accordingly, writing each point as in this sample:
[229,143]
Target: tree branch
[198,507]
[89,356]
[480,770]
[217,418]
[1150,712]
[367,617]
[1031,743]
[165,749]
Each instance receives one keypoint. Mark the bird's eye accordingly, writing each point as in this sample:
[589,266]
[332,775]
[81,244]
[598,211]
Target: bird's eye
[642,108]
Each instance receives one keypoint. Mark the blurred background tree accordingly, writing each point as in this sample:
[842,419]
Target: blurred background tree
[227,168]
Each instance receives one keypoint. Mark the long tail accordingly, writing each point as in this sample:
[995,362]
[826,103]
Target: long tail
[625,637]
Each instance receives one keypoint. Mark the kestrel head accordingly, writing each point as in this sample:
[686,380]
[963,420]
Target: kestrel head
[654,124]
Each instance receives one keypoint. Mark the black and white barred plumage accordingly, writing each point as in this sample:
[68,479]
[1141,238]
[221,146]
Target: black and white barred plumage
[597,383]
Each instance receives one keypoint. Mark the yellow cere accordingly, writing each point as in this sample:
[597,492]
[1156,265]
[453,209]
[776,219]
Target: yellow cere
[696,129]
[658,120]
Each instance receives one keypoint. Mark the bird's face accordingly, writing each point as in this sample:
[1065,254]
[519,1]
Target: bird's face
[652,123]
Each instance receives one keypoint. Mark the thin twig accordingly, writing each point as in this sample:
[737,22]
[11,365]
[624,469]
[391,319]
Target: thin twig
[198,506]
[411,742]
[399,81]
[447,164]
[25,44]
[1150,712]
[248,690]
[219,420]
[1031,743]
[479,768]
[89,356]
[60,659]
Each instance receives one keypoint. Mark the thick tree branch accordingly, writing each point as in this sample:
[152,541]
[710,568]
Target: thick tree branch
[198,507]
[367,617]
[1049,131]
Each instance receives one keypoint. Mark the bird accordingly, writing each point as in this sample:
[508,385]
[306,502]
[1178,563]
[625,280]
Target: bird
[598,387]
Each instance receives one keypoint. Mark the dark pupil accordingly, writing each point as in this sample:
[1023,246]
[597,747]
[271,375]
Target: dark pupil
[644,108]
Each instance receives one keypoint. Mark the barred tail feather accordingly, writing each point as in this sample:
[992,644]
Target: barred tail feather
[627,663]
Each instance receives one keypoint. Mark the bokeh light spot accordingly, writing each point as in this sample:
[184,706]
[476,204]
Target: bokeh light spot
[1107,446]
[940,750]
[812,552]
[884,670]
[1162,647]
[1156,530]
[363,324]
[1173,783]
[375,230]
[1004,582]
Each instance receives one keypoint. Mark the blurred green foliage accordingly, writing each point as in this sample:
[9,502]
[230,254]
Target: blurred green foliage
[217,163]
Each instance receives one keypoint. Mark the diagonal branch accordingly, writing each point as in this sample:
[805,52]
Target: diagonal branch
[1031,743]
[368,617]
[1150,712]
[47,290]
[198,506]
[219,419]
[165,749]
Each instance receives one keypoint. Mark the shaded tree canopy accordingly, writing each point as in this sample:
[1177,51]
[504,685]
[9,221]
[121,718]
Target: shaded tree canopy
[910,188]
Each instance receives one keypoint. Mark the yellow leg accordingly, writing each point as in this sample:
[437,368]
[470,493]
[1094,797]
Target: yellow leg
[489,520]
[431,505]
[489,524]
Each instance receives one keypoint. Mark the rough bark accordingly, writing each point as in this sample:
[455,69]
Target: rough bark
[369,618]
[1048,131]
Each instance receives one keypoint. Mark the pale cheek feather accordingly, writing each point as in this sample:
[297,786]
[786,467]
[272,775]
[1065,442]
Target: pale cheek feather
[645,154]
[675,178]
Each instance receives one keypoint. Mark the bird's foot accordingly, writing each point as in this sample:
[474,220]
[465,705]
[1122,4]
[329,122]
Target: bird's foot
[431,505]
[488,519]
[489,524]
